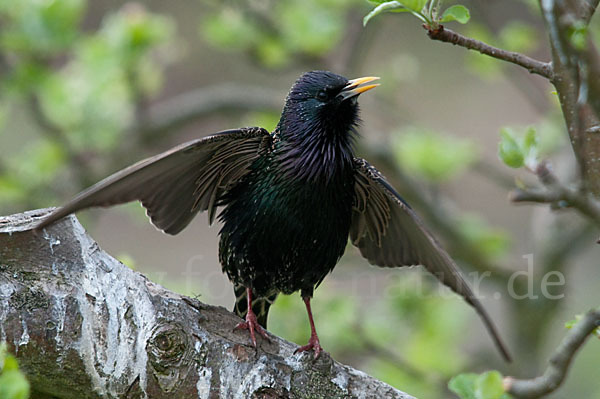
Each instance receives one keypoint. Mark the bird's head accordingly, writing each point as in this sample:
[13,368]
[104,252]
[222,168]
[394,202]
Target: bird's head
[322,102]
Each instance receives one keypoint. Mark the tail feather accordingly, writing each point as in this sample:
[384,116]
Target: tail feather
[489,325]
[260,305]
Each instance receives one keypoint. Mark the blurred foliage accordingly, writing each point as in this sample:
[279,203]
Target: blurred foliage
[473,386]
[266,119]
[427,11]
[514,36]
[277,32]
[578,35]
[493,242]
[407,334]
[83,87]
[40,28]
[13,384]
[23,179]
[431,155]
[101,74]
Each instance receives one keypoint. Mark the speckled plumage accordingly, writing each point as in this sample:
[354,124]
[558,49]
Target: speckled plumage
[291,199]
[286,223]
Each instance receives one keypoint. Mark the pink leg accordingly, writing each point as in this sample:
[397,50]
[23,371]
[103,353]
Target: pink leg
[313,342]
[251,323]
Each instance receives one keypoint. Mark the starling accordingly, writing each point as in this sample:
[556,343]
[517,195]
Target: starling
[290,200]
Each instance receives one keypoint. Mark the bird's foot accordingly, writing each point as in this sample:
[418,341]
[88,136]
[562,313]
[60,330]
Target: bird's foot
[252,325]
[314,344]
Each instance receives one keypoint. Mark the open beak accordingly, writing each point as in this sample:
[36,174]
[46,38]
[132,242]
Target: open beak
[357,86]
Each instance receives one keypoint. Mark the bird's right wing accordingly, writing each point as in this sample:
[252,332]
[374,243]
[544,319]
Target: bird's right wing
[177,184]
[389,234]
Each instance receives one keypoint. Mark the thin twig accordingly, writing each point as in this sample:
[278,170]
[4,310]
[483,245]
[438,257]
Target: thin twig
[588,8]
[554,192]
[492,173]
[533,90]
[532,65]
[559,362]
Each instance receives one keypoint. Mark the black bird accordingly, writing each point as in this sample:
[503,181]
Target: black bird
[291,199]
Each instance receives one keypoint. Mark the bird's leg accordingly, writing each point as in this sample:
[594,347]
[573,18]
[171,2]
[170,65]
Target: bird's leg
[313,342]
[251,322]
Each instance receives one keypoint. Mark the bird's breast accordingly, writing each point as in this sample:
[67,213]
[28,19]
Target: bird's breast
[287,232]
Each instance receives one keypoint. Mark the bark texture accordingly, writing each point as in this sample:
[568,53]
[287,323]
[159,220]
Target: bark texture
[83,325]
[577,82]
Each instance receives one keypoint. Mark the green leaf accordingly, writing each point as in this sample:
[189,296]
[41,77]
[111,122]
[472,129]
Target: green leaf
[414,5]
[463,385]
[10,363]
[531,139]
[13,385]
[517,150]
[489,385]
[509,150]
[458,13]
[384,7]
[530,147]
[570,324]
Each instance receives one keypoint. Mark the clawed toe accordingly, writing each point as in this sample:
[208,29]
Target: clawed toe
[252,325]
[313,344]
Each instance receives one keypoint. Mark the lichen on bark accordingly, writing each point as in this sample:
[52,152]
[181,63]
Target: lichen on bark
[83,325]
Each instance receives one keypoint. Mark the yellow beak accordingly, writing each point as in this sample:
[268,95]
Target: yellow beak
[355,87]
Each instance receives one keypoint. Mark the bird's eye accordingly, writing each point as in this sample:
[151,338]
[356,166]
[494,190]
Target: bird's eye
[322,95]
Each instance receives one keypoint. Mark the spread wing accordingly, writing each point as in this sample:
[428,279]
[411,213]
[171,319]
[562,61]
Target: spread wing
[389,234]
[175,185]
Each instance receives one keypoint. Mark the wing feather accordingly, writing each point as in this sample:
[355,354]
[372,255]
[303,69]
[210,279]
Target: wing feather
[177,184]
[388,233]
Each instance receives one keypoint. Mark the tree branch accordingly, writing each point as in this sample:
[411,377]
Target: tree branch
[532,65]
[83,325]
[588,9]
[559,195]
[184,108]
[576,72]
[559,362]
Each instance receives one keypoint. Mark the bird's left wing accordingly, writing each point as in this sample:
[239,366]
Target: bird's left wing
[389,234]
[177,184]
